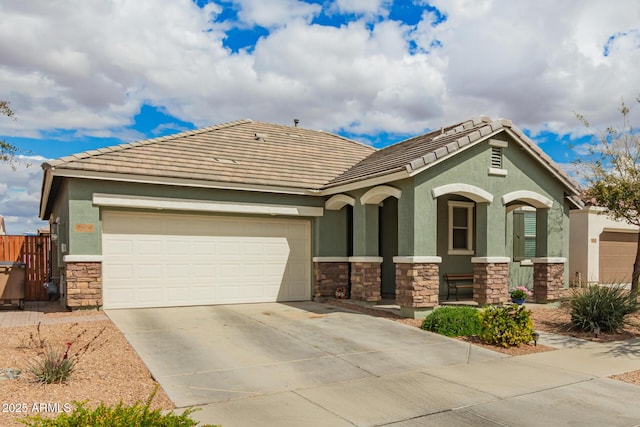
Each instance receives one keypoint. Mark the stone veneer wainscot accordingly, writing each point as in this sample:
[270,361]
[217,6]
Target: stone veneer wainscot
[84,284]
[329,273]
[490,280]
[365,279]
[417,281]
[548,279]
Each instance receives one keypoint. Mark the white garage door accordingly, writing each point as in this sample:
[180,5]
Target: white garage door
[160,260]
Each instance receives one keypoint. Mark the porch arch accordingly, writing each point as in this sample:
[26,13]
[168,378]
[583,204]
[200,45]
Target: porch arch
[472,192]
[339,201]
[378,194]
[536,200]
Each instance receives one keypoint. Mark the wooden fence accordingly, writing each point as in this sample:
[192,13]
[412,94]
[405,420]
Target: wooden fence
[34,252]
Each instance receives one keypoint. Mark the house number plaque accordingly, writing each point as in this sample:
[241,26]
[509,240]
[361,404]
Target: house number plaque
[83,228]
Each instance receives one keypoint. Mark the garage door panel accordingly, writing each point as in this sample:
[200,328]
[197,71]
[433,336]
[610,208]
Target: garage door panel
[617,256]
[203,260]
[173,247]
[151,295]
[118,271]
[119,247]
[178,272]
[150,247]
[119,297]
[203,247]
[149,271]
[201,271]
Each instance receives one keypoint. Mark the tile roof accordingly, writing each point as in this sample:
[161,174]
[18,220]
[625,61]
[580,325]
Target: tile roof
[257,153]
[243,151]
[420,151]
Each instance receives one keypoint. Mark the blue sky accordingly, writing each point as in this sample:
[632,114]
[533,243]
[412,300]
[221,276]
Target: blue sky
[82,74]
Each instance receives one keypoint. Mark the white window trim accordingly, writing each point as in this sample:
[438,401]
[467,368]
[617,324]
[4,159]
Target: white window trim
[469,206]
[498,172]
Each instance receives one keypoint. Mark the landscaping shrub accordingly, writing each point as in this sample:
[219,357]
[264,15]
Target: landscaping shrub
[507,326]
[601,307]
[137,415]
[54,367]
[453,321]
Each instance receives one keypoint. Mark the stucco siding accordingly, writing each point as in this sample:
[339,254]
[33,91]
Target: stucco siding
[587,225]
[492,222]
[85,226]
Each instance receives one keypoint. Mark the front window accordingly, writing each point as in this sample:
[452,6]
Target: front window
[460,228]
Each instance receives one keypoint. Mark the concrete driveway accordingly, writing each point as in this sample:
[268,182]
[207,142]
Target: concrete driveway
[313,364]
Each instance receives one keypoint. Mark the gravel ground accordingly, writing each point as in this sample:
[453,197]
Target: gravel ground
[107,369]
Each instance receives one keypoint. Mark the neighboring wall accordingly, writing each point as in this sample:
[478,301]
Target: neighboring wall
[587,225]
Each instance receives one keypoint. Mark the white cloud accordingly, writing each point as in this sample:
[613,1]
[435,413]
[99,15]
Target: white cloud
[275,13]
[362,7]
[20,195]
[89,66]
[537,63]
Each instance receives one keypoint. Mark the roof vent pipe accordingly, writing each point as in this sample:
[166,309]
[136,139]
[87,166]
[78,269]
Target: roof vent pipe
[295,122]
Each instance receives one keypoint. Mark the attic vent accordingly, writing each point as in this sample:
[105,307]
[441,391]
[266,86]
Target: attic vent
[293,135]
[496,157]
[260,136]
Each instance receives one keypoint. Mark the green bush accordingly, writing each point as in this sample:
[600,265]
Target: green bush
[453,321]
[137,415]
[55,366]
[507,326]
[601,307]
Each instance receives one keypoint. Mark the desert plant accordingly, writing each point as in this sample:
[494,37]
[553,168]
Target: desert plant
[453,321]
[601,308]
[507,326]
[55,366]
[138,415]
[36,340]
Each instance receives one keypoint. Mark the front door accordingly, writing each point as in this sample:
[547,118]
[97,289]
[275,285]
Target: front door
[388,246]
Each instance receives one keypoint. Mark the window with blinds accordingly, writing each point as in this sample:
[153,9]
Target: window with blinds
[524,235]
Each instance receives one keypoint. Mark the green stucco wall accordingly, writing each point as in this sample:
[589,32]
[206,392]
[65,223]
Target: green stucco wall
[423,220]
[83,214]
[60,214]
[493,232]
[332,231]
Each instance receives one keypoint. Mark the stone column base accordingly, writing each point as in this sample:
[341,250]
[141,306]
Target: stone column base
[490,280]
[548,279]
[329,274]
[365,279]
[84,285]
[417,285]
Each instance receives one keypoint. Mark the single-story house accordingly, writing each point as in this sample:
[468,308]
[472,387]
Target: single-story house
[256,212]
[602,249]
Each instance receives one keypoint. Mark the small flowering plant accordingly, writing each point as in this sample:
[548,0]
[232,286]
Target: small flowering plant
[54,367]
[520,292]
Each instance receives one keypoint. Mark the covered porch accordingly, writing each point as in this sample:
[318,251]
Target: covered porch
[397,243]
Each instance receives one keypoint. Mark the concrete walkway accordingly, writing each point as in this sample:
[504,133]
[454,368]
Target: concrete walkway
[46,313]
